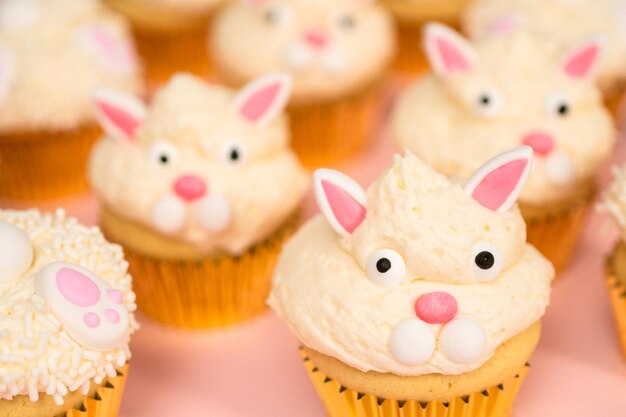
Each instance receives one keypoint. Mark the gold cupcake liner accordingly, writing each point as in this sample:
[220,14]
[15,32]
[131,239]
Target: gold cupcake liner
[207,293]
[554,232]
[44,165]
[106,401]
[165,54]
[326,134]
[615,270]
[341,401]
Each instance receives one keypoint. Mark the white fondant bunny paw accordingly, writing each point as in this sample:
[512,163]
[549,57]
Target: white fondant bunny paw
[91,312]
[16,253]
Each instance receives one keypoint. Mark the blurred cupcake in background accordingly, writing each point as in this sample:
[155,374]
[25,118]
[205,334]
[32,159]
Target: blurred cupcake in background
[565,21]
[410,16]
[614,203]
[419,296]
[201,189]
[337,53]
[507,91]
[52,54]
[170,35]
[68,307]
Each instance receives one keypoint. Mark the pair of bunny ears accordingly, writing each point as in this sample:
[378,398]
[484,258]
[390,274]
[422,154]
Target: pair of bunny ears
[450,53]
[496,186]
[258,103]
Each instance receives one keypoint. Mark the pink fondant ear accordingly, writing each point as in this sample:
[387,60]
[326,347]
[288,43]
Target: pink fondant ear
[582,61]
[447,51]
[264,98]
[115,54]
[340,199]
[497,184]
[118,113]
[7,71]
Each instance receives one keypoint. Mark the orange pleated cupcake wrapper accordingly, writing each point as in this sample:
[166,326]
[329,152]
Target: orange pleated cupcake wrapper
[616,287]
[556,233]
[341,401]
[166,54]
[213,292]
[327,134]
[44,165]
[410,58]
[107,399]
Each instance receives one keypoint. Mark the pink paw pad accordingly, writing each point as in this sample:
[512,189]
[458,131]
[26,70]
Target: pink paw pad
[77,288]
[89,310]
[91,320]
[436,307]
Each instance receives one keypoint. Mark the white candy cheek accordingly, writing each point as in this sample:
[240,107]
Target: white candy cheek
[169,214]
[214,213]
[298,56]
[412,342]
[559,168]
[462,340]
[16,253]
[334,60]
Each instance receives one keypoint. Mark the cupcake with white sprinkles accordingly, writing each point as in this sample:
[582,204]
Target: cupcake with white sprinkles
[66,315]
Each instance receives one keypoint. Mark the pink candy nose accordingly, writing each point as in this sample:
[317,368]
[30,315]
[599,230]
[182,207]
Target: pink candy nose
[436,307]
[316,38]
[190,187]
[542,143]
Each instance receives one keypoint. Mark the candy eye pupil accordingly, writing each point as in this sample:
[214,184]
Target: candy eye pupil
[485,260]
[272,16]
[485,100]
[383,265]
[234,155]
[563,109]
[164,159]
[347,22]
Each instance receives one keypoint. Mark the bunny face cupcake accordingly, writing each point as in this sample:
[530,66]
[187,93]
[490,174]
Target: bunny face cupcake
[336,51]
[424,283]
[68,316]
[470,107]
[202,183]
[614,203]
[45,114]
[170,35]
[565,21]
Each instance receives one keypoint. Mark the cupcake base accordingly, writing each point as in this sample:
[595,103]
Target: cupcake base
[384,395]
[45,164]
[327,134]
[616,287]
[102,401]
[208,292]
[554,230]
[165,54]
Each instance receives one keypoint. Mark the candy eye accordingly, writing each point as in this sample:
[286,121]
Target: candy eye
[346,21]
[276,15]
[488,103]
[233,153]
[163,154]
[386,267]
[486,261]
[558,105]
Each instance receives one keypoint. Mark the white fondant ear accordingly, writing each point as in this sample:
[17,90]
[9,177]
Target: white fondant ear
[118,113]
[7,71]
[16,253]
[447,51]
[340,199]
[498,183]
[582,61]
[263,99]
[90,310]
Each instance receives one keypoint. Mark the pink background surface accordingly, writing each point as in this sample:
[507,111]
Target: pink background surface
[254,370]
